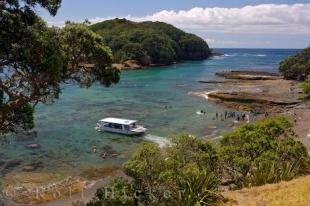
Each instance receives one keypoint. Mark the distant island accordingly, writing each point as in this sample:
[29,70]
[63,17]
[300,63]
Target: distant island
[143,44]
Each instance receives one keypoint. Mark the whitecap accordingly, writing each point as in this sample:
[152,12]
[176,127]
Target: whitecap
[204,95]
[161,141]
[229,55]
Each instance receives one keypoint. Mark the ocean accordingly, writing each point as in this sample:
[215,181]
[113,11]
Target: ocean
[157,97]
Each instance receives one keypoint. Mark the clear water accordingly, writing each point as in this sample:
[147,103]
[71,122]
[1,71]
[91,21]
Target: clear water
[65,129]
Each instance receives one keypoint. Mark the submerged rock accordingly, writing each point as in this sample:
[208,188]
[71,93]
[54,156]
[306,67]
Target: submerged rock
[248,75]
[107,152]
[33,146]
[10,165]
[33,166]
[28,168]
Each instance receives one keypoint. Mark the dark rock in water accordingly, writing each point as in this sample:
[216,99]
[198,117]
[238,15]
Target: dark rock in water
[33,146]
[248,75]
[107,152]
[28,168]
[10,165]
[216,53]
[2,163]
[26,136]
[33,166]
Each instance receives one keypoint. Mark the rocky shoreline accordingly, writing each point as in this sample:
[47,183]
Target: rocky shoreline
[266,93]
[248,75]
[240,90]
[51,189]
[135,65]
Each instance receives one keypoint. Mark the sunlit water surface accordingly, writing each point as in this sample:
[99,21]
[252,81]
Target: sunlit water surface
[157,97]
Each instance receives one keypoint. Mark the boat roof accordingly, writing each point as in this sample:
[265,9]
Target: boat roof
[118,121]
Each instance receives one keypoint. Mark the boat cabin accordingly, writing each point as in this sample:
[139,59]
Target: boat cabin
[117,125]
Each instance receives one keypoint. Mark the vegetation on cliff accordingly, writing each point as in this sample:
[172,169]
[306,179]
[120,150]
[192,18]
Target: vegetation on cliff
[150,42]
[190,171]
[297,66]
[306,87]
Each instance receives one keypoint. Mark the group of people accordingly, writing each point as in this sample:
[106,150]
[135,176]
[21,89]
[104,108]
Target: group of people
[237,116]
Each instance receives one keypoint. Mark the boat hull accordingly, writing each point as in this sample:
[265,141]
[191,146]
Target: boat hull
[120,131]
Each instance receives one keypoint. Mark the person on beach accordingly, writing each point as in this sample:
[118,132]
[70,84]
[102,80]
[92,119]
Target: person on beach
[238,118]
[243,116]
[216,115]
[94,149]
[247,116]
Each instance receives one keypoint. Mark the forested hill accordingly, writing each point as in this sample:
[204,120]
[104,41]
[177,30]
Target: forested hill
[150,42]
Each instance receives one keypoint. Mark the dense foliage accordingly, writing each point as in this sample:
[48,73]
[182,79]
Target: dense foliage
[190,170]
[36,59]
[306,88]
[297,66]
[150,42]
[184,174]
[262,152]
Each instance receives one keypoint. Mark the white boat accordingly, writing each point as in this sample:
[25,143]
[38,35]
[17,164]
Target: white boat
[121,126]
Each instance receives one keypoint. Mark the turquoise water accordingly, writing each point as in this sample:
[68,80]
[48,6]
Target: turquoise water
[65,129]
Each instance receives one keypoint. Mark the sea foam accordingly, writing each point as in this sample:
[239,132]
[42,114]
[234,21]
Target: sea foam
[161,141]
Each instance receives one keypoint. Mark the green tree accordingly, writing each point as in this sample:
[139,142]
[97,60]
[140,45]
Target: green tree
[297,66]
[88,57]
[185,173]
[258,148]
[192,168]
[162,42]
[306,87]
[194,48]
[118,192]
[36,59]
[159,49]
[134,51]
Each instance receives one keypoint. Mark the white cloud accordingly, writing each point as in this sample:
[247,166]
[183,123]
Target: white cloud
[264,18]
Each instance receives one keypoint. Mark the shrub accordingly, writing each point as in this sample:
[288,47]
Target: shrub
[118,192]
[262,152]
[296,67]
[184,174]
[306,88]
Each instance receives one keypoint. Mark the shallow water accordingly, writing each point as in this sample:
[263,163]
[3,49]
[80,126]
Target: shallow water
[157,97]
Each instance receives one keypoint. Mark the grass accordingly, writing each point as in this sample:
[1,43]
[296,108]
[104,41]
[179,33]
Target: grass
[293,193]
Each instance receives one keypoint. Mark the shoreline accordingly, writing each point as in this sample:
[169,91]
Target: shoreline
[130,65]
[270,95]
[302,110]
[64,195]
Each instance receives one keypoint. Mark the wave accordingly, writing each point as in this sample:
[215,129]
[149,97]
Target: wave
[161,141]
[229,55]
[204,95]
[244,54]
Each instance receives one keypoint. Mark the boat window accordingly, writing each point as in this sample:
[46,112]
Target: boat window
[134,125]
[115,126]
[126,127]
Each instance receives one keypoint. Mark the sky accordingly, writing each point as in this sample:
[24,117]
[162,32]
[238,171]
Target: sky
[222,23]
